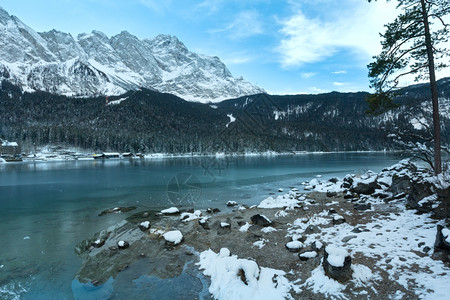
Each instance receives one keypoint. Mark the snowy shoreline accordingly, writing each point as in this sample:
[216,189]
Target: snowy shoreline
[77,155]
[277,248]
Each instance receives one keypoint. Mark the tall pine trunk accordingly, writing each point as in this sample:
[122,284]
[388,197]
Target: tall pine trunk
[434,93]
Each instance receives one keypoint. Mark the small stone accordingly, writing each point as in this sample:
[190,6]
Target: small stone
[307,255]
[123,244]
[312,229]
[294,246]
[426,249]
[348,238]
[145,215]
[170,211]
[333,180]
[231,203]
[261,220]
[331,194]
[204,223]
[98,243]
[349,195]
[338,219]
[421,244]
[173,237]
[144,226]
[316,246]
[332,211]
[362,206]
[356,230]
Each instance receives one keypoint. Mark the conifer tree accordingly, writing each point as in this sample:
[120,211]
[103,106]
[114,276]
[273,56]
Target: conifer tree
[411,46]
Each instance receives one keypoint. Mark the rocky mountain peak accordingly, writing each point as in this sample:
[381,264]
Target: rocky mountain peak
[4,16]
[94,64]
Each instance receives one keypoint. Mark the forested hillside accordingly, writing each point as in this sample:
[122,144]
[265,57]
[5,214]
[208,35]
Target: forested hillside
[148,121]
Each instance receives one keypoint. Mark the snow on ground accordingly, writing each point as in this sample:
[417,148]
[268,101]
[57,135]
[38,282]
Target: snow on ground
[171,210]
[186,216]
[245,227]
[389,246]
[287,200]
[237,278]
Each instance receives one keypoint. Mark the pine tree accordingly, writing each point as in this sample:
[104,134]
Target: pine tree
[410,47]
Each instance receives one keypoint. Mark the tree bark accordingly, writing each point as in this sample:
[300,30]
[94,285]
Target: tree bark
[434,92]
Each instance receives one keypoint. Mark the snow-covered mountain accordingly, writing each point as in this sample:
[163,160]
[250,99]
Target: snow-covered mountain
[93,64]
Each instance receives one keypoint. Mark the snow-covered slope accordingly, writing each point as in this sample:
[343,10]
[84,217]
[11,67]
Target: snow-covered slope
[93,64]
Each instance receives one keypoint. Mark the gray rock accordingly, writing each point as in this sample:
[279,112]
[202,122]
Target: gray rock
[443,199]
[332,211]
[366,188]
[417,192]
[333,180]
[312,229]
[440,244]
[337,220]
[348,238]
[261,220]
[342,273]
[400,184]
[331,194]
[362,206]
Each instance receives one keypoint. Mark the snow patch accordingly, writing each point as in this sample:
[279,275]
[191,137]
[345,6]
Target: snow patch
[174,236]
[235,278]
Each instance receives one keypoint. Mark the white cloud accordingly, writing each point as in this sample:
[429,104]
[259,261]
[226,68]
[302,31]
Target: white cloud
[310,36]
[317,90]
[336,83]
[339,72]
[245,24]
[308,75]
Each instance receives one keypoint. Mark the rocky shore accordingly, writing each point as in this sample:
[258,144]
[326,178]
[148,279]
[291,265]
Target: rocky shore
[379,236]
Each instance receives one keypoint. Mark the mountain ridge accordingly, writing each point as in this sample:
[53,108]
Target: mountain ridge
[93,64]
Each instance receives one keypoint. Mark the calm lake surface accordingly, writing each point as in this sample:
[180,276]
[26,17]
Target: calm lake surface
[47,208]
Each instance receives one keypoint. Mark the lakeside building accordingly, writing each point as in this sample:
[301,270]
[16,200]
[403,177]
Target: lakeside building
[9,148]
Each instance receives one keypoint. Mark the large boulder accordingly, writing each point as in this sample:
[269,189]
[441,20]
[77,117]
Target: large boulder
[443,200]
[418,190]
[366,187]
[337,264]
[400,184]
[442,244]
[442,239]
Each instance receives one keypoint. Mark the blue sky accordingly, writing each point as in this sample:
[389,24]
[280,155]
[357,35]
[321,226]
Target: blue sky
[285,47]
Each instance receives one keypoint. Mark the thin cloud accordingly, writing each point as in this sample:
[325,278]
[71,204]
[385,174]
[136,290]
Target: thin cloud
[317,90]
[339,72]
[309,39]
[336,83]
[245,24]
[308,75]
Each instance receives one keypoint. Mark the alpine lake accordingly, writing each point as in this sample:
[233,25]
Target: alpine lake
[47,208]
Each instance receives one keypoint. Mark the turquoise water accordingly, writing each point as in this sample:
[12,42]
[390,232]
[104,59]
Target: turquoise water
[48,208]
